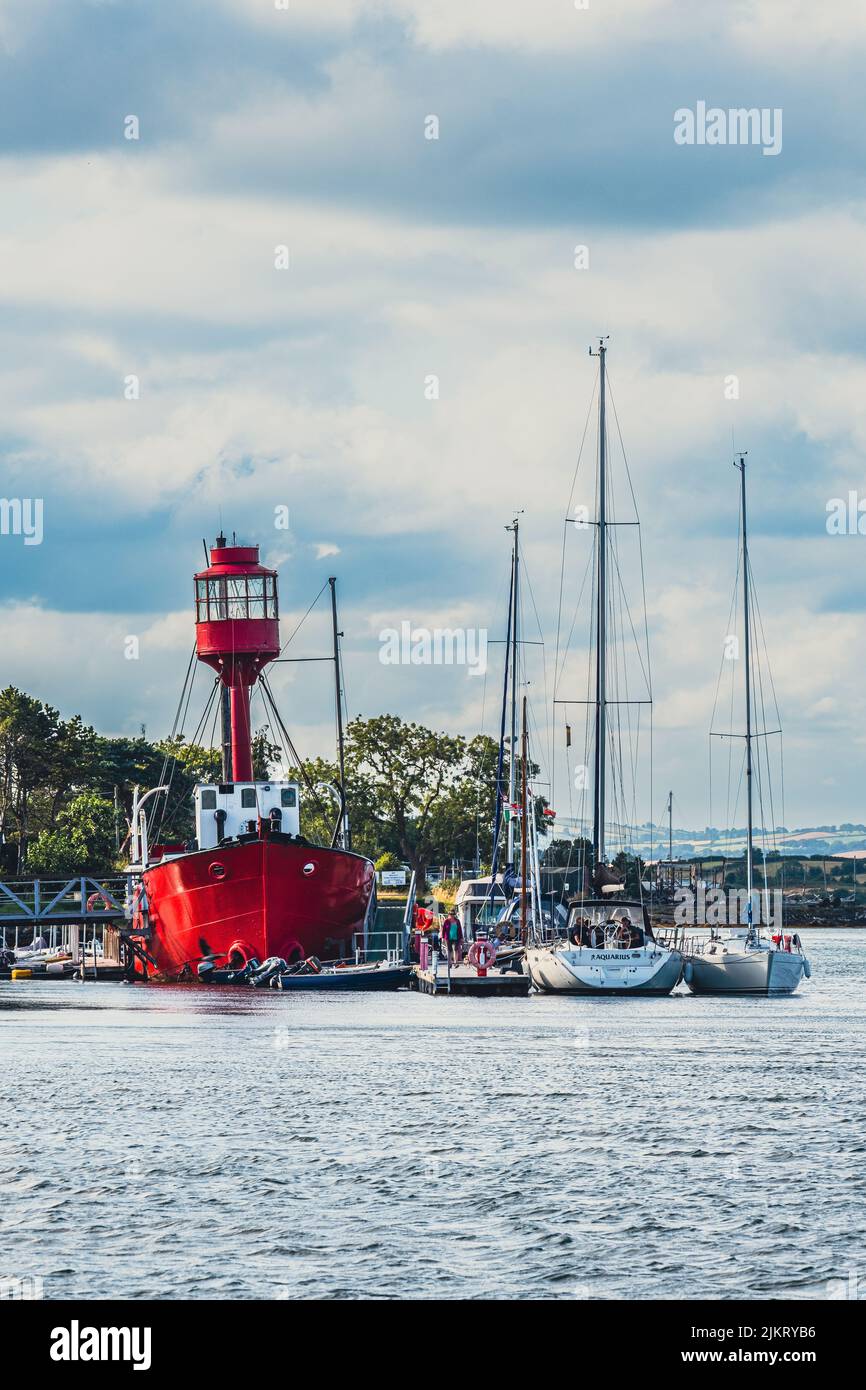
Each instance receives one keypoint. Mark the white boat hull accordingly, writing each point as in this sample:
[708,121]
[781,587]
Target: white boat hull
[745,972]
[585,970]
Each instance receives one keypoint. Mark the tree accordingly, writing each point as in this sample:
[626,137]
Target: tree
[319,812]
[266,754]
[566,854]
[83,842]
[398,772]
[461,819]
[632,868]
[28,732]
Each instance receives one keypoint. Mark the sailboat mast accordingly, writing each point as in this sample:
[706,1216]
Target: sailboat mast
[601,624]
[747,638]
[524,817]
[512,760]
[341,745]
[671,837]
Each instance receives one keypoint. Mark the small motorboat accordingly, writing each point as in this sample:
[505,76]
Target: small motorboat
[310,974]
[373,975]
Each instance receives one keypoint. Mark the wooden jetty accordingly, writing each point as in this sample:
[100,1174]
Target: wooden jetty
[436,978]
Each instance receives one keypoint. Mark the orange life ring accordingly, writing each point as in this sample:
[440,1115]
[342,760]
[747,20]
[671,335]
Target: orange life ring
[482,954]
[98,898]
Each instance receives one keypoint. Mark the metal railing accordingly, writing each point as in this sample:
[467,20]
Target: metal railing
[380,945]
[55,907]
[78,899]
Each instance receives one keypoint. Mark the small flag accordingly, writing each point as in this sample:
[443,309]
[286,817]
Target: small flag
[549,812]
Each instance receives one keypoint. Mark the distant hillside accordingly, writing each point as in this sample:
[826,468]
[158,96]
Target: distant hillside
[651,841]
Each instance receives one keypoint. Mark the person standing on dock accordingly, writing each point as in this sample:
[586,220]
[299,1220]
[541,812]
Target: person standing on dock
[453,936]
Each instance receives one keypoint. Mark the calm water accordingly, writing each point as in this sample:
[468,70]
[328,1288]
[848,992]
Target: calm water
[179,1142]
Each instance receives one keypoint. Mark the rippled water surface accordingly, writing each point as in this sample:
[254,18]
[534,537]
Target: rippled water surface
[184,1142]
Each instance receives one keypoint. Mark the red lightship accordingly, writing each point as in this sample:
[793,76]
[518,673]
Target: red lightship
[250,886]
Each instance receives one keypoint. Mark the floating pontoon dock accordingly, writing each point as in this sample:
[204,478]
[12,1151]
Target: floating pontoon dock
[464,979]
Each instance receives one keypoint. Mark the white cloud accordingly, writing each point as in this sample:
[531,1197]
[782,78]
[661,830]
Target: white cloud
[775,26]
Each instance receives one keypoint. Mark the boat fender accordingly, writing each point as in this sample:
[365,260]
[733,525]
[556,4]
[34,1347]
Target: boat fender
[240,954]
[688,972]
[807,969]
[22,974]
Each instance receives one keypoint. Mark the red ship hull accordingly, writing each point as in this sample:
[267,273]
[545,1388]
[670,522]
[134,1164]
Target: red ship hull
[255,897]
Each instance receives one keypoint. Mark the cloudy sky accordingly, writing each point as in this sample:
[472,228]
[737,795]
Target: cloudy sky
[409,257]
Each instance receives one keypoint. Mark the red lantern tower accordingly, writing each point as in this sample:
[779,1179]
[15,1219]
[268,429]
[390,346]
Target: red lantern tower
[237,631]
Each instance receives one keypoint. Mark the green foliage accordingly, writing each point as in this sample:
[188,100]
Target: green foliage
[266,755]
[446,890]
[633,869]
[83,842]
[319,809]
[387,861]
[40,754]
[567,854]
[399,775]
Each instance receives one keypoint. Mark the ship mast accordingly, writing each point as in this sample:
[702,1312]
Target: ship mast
[741,465]
[601,622]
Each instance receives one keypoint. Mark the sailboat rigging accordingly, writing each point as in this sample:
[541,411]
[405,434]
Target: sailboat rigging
[610,947]
[742,960]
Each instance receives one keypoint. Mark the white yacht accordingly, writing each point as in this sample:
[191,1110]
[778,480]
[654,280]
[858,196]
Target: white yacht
[743,961]
[610,949]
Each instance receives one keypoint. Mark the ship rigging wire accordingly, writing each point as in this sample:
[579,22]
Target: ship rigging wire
[626,729]
[764,703]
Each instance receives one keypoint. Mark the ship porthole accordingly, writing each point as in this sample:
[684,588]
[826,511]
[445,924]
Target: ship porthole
[217,870]
[309,868]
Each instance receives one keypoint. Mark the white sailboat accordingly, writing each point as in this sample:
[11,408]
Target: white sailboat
[609,946]
[741,959]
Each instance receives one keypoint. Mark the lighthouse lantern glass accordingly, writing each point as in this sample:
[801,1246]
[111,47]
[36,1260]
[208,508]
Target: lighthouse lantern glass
[236,596]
